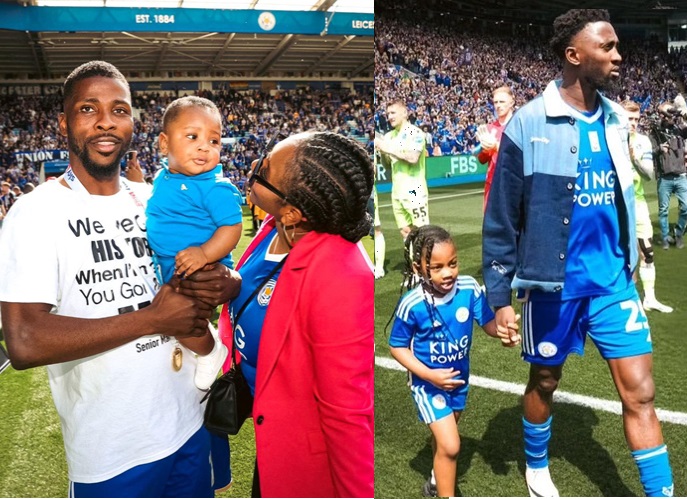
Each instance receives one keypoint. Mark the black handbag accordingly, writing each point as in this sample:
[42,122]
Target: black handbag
[229,401]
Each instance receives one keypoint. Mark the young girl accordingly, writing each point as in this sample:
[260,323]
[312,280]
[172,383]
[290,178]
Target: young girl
[194,214]
[431,337]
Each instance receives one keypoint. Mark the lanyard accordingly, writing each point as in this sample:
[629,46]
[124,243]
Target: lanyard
[237,316]
[276,268]
[76,185]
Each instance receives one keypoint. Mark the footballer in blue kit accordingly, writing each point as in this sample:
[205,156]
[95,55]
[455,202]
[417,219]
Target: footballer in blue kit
[431,337]
[560,229]
[599,298]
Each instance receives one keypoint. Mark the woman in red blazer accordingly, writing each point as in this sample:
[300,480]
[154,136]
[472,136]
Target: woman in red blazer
[307,342]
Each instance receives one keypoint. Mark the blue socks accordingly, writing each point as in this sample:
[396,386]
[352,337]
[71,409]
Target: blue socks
[654,471]
[653,464]
[537,438]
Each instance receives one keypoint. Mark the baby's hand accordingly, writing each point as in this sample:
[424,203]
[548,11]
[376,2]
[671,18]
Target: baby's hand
[189,260]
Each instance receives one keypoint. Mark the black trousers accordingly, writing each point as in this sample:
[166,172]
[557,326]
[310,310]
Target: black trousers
[255,492]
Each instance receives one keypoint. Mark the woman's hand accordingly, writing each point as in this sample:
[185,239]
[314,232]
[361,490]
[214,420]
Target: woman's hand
[213,285]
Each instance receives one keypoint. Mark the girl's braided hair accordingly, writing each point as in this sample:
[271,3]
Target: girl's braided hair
[331,184]
[421,240]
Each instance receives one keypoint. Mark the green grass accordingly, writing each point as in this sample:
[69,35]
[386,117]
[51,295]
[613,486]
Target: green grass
[588,453]
[32,462]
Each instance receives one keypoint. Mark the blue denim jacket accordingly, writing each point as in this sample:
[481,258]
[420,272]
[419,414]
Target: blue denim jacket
[527,219]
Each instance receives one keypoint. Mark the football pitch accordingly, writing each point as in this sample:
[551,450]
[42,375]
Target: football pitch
[588,453]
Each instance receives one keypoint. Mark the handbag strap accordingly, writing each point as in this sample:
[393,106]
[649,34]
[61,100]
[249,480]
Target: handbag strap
[235,318]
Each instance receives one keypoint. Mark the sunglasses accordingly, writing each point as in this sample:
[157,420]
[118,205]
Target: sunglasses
[255,176]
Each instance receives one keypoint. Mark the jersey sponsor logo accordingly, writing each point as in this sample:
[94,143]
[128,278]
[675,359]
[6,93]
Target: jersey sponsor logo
[547,349]
[266,293]
[438,401]
[462,314]
[444,352]
[183,187]
[594,187]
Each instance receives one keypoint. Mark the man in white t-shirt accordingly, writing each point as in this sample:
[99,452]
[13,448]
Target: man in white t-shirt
[78,294]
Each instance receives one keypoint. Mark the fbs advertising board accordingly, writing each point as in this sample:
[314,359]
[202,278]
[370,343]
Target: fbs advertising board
[441,170]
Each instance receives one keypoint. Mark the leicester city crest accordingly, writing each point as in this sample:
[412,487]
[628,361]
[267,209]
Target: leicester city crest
[266,293]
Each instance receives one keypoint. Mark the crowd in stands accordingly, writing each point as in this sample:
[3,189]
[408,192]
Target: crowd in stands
[678,59]
[446,75]
[30,123]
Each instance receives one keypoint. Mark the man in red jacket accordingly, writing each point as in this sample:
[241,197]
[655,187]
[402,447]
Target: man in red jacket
[489,136]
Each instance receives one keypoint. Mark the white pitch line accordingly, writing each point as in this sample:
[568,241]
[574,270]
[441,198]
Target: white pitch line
[611,406]
[448,196]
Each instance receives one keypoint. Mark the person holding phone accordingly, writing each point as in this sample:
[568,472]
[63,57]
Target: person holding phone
[132,168]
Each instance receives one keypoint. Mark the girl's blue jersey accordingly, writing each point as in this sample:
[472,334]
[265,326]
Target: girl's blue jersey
[439,330]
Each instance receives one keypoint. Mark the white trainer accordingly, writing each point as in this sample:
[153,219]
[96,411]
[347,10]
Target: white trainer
[379,274]
[209,365]
[656,305]
[539,483]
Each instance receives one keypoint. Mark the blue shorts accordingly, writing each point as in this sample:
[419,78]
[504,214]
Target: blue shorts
[553,328]
[197,469]
[433,403]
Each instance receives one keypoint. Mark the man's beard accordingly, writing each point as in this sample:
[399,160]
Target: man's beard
[98,172]
[606,84]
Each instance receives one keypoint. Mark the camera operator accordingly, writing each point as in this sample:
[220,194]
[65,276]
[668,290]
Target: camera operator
[668,132]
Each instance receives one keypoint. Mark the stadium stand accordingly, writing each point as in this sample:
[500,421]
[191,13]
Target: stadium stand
[30,124]
[259,79]
[446,75]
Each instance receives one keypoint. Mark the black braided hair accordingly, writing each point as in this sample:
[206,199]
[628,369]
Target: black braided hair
[331,184]
[420,241]
[89,70]
[177,105]
[567,25]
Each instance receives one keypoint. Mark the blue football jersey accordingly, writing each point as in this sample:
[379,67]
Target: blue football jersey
[439,329]
[596,262]
[248,330]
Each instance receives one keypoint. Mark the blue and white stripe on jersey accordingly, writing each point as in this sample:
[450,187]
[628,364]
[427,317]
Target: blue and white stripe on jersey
[527,338]
[467,282]
[416,295]
[424,405]
[408,301]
